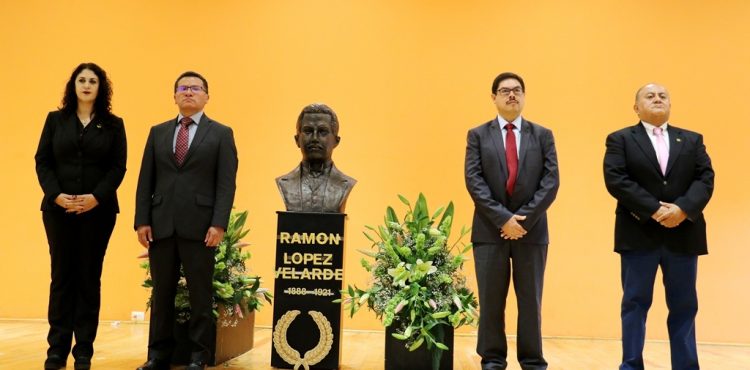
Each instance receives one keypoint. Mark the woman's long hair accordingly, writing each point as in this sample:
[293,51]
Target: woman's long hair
[103,101]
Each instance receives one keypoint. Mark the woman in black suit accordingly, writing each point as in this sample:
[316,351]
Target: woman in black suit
[80,162]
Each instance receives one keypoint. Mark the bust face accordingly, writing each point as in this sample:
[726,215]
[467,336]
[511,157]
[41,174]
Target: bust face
[315,138]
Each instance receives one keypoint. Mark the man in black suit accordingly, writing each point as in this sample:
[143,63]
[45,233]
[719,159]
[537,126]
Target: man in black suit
[185,194]
[662,179]
[512,177]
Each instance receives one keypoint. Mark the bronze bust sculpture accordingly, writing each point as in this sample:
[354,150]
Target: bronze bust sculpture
[316,185]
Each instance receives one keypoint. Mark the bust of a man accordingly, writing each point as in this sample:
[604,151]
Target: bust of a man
[316,185]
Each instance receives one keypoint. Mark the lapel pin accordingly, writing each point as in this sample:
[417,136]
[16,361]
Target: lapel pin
[99,125]
[678,140]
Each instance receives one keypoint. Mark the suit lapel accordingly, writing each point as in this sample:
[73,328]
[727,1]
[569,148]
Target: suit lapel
[200,134]
[497,140]
[69,129]
[675,146]
[168,140]
[641,138]
[525,143]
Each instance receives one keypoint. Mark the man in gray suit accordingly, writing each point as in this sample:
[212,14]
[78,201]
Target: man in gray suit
[512,177]
[185,193]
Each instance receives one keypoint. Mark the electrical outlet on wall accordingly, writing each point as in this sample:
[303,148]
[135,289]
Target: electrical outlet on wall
[137,316]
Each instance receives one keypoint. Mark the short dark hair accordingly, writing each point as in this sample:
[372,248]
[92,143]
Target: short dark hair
[320,108]
[103,101]
[191,74]
[504,76]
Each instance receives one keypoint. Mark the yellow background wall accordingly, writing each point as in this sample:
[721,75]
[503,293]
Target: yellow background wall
[408,79]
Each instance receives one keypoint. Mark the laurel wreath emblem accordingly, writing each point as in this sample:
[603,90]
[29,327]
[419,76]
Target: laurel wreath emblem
[291,355]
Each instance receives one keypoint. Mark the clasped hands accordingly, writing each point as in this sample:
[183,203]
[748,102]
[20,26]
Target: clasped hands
[669,215]
[76,203]
[512,230]
[213,236]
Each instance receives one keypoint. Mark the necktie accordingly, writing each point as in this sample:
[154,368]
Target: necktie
[183,135]
[511,156]
[662,154]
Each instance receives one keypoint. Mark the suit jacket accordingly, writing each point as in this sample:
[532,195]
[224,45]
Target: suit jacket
[71,163]
[633,177]
[186,200]
[334,200]
[486,172]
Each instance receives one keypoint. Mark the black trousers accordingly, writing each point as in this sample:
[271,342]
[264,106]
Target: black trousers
[165,258]
[77,244]
[495,264]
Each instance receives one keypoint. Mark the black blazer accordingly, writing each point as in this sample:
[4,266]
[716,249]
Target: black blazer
[189,199]
[633,177]
[94,163]
[537,181]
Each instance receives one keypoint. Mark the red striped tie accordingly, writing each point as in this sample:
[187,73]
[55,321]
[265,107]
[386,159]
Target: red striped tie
[511,155]
[182,144]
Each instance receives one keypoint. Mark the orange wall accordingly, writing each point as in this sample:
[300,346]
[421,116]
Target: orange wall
[407,80]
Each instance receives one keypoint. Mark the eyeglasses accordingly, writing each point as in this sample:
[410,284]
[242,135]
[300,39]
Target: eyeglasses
[193,88]
[517,91]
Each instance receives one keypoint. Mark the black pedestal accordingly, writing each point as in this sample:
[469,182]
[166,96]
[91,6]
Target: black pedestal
[309,274]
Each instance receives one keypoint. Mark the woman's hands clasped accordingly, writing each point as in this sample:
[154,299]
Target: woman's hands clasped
[76,203]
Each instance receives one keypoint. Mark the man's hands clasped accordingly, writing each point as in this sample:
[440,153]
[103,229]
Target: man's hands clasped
[512,230]
[669,215]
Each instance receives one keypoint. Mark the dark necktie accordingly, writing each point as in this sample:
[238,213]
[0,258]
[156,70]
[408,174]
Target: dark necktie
[182,144]
[511,155]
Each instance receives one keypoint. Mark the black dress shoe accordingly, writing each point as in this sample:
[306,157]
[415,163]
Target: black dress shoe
[196,365]
[82,363]
[54,362]
[155,364]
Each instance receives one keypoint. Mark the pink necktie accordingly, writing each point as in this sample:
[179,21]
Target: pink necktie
[181,146]
[511,155]
[662,154]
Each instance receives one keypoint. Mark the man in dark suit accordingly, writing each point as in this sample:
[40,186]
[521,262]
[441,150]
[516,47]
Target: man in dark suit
[662,179]
[512,177]
[185,194]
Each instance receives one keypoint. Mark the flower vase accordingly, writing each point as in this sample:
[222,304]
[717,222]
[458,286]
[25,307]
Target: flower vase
[398,356]
[228,341]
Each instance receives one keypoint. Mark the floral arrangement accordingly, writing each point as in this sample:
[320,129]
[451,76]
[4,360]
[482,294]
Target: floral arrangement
[235,292]
[417,285]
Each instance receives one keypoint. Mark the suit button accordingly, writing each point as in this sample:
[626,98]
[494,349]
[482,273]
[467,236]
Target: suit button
[80,154]
[665,183]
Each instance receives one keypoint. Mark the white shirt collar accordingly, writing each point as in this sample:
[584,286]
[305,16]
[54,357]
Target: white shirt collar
[196,117]
[650,127]
[516,122]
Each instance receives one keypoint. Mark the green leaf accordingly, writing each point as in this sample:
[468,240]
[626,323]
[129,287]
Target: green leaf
[367,253]
[409,330]
[399,336]
[404,200]
[390,215]
[417,344]
[445,222]
[441,346]
[437,213]
[440,315]
[368,236]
